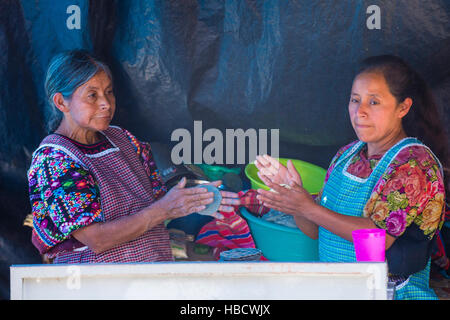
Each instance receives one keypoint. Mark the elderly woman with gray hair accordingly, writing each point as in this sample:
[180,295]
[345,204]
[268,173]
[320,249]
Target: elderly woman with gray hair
[95,191]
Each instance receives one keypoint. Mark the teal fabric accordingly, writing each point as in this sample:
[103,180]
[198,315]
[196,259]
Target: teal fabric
[417,287]
[348,194]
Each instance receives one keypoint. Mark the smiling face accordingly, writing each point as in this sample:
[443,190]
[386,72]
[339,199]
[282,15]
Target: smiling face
[90,108]
[375,113]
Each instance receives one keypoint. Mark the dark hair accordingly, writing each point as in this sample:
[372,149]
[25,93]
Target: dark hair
[66,72]
[422,120]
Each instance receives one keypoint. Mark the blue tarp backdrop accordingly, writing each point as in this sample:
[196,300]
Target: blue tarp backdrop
[231,64]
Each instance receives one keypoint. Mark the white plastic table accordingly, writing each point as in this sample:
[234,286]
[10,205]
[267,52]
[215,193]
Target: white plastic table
[201,281]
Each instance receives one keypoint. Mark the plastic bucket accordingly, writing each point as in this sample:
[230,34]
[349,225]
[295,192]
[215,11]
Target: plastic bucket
[370,244]
[312,176]
[280,243]
[277,242]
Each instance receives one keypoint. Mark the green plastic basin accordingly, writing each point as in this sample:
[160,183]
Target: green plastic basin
[278,242]
[312,176]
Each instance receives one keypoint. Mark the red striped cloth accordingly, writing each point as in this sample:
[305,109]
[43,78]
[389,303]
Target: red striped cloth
[248,200]
[233,231]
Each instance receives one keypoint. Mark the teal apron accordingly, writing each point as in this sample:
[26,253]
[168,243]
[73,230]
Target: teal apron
[348,194]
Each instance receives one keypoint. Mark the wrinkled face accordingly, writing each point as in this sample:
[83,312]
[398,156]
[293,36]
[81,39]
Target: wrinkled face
[374,112]
[93,104]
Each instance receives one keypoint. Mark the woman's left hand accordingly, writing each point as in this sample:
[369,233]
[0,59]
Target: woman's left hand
[292,199]
[229,199]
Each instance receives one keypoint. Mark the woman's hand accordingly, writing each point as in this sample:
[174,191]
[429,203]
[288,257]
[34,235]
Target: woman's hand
[272,170]
[178,202]
[229,199]
[292,199]
[181,201]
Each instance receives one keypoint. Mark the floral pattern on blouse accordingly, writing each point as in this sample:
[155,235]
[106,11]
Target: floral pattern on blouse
[144,152]
[64,196]
[410,191]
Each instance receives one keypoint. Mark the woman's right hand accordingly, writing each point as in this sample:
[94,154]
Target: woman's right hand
[272,170]
[178,202]
[181,201]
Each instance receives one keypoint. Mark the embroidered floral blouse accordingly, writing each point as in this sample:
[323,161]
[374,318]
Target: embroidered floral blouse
[407,201]
[65,197]
[411,191]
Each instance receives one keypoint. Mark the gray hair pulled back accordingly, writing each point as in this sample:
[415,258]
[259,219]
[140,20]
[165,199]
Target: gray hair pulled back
[66,72]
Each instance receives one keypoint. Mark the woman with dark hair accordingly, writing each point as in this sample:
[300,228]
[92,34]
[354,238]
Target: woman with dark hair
[95,191]
[387,179]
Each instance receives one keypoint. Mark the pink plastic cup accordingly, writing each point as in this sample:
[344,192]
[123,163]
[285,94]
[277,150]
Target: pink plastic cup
[370,244]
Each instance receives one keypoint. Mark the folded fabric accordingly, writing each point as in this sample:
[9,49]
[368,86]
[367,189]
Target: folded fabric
[249,201]
[229,233]
[241,254]
[280,218]
[232,231]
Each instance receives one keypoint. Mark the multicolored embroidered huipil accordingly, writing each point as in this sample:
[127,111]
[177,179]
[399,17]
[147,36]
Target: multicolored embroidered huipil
[72,185]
